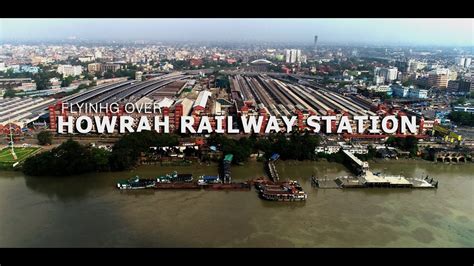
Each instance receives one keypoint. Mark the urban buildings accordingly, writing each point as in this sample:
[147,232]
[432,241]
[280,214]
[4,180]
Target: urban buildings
[69,70]
[110,67]
[94,67]
[315,43]
[292,56]
[463,61]
[438,80]
[388,74]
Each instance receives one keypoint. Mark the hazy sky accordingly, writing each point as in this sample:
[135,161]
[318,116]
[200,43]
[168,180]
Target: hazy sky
[376,31]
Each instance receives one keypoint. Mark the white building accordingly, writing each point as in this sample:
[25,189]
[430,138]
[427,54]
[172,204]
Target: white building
[460,61]
[467,62]
[138,75]
[417,93]
[381,88]
[68,70]
[389,74]
[292,56]
[379,80]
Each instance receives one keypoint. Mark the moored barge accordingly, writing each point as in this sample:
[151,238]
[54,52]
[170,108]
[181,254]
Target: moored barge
[228,186]
[178,185]
[136,183]
[282,191]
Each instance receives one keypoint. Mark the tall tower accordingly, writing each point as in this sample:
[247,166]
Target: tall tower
[315,43]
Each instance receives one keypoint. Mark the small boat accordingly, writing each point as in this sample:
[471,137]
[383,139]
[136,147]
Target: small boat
[209,179]
[136,183]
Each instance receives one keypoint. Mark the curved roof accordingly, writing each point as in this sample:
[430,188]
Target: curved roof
[261,61]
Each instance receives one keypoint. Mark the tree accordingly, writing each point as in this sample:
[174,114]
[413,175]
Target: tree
[9,93]
[45,138]
[67,81]
[462,118]
[69,158]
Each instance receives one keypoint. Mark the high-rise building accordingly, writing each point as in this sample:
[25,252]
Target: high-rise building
[438,80]
[388,74]
[460,61]
[467,62]
[292,56]
[315,43]
[463,61]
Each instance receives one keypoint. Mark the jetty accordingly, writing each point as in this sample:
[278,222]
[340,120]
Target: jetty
[365,178]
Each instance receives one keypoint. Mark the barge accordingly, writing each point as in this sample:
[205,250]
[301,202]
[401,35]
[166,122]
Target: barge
[281,191]
[136,183]
[375,180]
[178,185]
[228,186]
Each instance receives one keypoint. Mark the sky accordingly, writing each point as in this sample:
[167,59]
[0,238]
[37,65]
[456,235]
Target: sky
[459,32]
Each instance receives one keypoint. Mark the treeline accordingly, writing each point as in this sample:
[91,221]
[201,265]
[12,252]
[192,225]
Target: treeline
[69,158]
[127,150]
[410,143]
[462,118]
[72,158]
[297,146]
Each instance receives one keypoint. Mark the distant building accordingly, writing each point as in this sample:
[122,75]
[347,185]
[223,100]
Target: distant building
[68,70]
[110,67]
[379,80]
[94,67]
[315,43]
[138,75]
[388,74]
[468,109]
[87,58]
[399,91]
[195,62]
[28,69]
[417,93]
[462,85]
[414,65]
[463,61]
[460,61]
[259,65]
[381,88]
[292,56]
[402,65]
[438,80]
[467,62]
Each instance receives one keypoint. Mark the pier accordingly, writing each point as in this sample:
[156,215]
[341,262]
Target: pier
[273,173]
[367,179]
[371,180]
[359,166]
[226,168]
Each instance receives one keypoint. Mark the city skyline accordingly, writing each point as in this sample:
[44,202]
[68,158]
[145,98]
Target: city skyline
[438,32]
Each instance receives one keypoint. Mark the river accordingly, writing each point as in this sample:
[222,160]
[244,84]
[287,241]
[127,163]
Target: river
[88,211]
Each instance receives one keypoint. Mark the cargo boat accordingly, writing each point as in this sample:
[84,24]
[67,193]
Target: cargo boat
[177,185]
[282,191]
[174,177]
[228,186]
[136,183]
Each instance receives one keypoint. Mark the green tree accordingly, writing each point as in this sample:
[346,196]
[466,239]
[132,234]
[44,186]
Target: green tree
[67,81]
[69,158]
[9,93]
[462,118]
[45,138]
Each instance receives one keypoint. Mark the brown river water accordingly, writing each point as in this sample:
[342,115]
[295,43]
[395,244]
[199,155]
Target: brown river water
[88,211]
